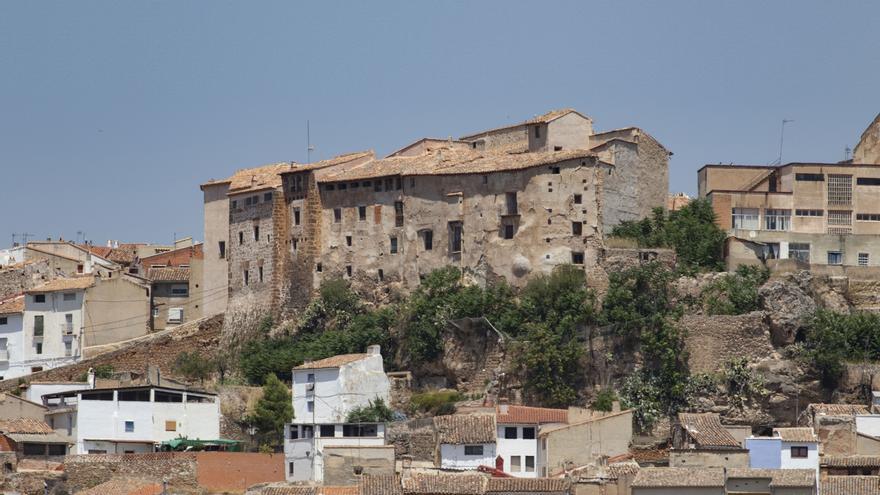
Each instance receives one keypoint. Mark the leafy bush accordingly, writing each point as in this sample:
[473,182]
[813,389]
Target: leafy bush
[604,400]
[743,384]
[375,412]
[737,293]
[833,338]
[436,403]
[691,231]
[194,366]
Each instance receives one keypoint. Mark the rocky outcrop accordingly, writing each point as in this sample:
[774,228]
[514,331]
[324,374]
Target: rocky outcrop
[713,341]
[787,308]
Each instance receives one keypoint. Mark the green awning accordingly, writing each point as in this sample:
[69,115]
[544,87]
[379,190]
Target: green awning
[179,443]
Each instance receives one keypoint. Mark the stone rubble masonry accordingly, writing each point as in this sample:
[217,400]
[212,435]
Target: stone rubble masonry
[17,279]
[712,341]
[415,437]
[160,350]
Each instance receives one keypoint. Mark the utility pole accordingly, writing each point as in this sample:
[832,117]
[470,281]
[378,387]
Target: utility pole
[782,139]
[309,147]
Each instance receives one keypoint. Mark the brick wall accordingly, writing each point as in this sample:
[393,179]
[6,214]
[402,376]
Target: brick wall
[235,471]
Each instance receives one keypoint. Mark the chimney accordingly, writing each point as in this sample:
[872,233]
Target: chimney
[92,379]
[374,350]
[405,466]
[503,405]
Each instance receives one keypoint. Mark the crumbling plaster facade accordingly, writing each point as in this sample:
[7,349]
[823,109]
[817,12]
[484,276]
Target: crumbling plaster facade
[868,149]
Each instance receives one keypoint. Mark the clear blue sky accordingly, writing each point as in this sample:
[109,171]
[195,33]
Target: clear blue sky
[112,113]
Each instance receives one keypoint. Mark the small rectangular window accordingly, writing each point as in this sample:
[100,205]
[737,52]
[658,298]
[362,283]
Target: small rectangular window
[4,320]
[398,213]
[129,426]
[348,270]
[808,213]
[355,185]
[868,217]
[529,433]
[381,275]
[473,450]
[868,181]
[171,425]
[530,464]
[234,204]
[515,463]
[577,228]
[510,432]
[537,132]
[393,245]
[260,269]
[377,186]
[362,213]
[348,240]
[799,452]
[38,325]
[555,170]
[343,186]
[809,177]
[428,239]
[70,296]
[222,248]
[246,277]
[328,430]
[330,187]
[296,219]
[835,258]
[510,203]
[577,257]
[509,231]
[319,268]
[455,233]
[578,199]
[863,259]
[799,251]
[310,406]
[398,183]
[39,347]
[240,238]
[290,468]
[256,232]
[40,298]
[267,196]
[337,215]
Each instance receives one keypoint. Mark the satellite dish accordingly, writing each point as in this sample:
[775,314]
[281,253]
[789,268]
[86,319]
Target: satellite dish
[752,234]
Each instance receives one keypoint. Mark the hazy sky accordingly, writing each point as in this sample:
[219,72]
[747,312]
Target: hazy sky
[112,113]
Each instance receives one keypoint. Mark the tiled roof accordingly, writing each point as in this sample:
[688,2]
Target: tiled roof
[532,485]
[72,283]
[618,469]
[24,425]
[289,490]
[791,478]
[11,305]
[338,490]
[102,251]
[850,485]
[330,162]
[845,461]
[124,486]
[706,430]
[125,254]
[332,362]
[380,485]
[257,178]
[553,115]
[679,477]
[444,484]
[458,429]
[530,415]
[451,162]
[168,274]
[804,434]
[838,409]
[650,455]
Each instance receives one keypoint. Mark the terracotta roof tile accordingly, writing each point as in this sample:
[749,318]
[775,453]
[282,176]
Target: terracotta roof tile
[679,477]
[553,115]
[650,455]
[793,478]
[257,178]
[125,254]
[338,490]
[332,362]
[289,490]
[532,485]
[330,162]
[707,431]
[444,484]
[618,469]
[804,434]
[12,305]
[530,415]
[168,274]
[460,429]
[850,485]
[24,425]
[838,409]
[59,284]
[845,461]
[380,485]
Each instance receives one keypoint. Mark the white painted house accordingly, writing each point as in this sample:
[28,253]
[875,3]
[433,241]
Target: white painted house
[466,441]
[133,419]
[788,448]
[517,433]
[53,323]
[12,356]
[324,393]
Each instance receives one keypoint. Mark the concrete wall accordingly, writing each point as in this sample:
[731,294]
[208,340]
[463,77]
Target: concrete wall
[764,452]
[581,444]
[709,458]
[453,457]
[520,447]
[569,132]
[216,270]
[236,471]
[116,309]
[54,313]
[340,390]
[342,463]
[15,407]
[12,332]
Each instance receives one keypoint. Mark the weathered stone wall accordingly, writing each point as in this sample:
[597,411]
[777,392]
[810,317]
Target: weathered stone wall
[179,469]
[18,278]
[619,259]
[33,482]
[415,438]
[712,341]
[868,149]
[160,350]
[343,465]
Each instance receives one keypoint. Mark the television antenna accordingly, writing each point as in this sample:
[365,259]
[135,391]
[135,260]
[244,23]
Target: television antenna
[309,147]
[782,140]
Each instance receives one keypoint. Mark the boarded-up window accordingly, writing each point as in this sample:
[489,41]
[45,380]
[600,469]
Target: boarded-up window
[171,426]
[377,214]
[398,213]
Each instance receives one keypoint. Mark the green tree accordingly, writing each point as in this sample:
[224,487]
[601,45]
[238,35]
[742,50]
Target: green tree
[736,293]
[374,412]
[604,400]
[271,412]
[691,231]
[834,338]
[194,366]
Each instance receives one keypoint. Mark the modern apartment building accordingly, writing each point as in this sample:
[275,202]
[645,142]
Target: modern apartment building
[816,213]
